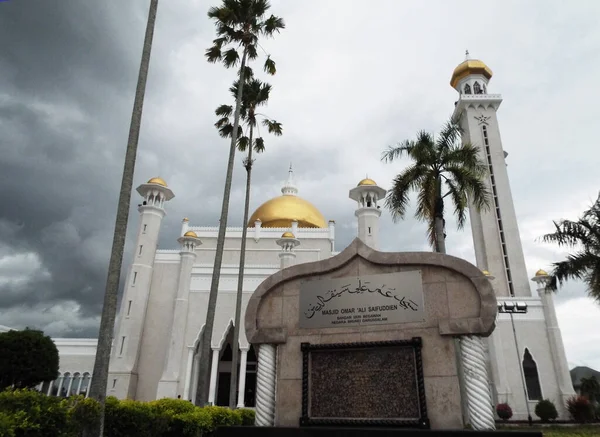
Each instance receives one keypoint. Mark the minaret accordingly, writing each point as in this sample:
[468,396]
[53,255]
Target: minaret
[288,243]
[167,386]
[495,231]
[289,187]
[122,380]
[367,194]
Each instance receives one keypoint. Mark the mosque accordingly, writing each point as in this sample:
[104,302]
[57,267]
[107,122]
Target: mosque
[163,308]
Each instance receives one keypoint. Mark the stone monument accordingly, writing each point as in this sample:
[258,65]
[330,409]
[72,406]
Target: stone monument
[373,338]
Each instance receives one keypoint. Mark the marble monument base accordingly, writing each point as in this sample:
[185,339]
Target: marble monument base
[276,431]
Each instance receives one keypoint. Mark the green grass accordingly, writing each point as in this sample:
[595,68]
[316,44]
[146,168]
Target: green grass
[563,431]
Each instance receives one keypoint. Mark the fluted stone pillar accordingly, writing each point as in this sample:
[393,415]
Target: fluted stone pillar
[265,385]
[479,399]
[242,384]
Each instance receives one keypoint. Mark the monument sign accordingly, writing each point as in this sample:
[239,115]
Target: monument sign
[362,300]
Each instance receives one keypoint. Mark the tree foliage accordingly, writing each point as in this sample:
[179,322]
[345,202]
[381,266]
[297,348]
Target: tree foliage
[27,358]
[583,236]
[442,167]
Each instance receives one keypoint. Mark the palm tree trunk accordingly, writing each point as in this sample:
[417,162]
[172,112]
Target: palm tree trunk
[440,238]
[238,303]
[109,309]
[205,350]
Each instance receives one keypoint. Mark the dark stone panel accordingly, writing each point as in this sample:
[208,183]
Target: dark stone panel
[243,431]
[364,383]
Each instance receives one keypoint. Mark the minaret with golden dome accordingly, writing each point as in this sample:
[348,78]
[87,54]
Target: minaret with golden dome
[496,238]
[122,380]
[367,196]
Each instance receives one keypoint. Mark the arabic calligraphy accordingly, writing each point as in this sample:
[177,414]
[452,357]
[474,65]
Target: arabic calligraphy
[362,288]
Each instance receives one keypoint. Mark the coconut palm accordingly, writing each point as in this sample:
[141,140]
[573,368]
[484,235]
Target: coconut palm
[109,308]
[442,167]
[239,24]
[583,236]
[255,94]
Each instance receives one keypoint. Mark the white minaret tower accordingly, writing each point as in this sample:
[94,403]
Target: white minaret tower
[122,380]
[167,386]
[288,243]
[367,194]
[495,231]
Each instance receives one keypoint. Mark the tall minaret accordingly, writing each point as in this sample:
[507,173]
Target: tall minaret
[288,243]
[122,379]
[367,194]
[495,231]
[167,386]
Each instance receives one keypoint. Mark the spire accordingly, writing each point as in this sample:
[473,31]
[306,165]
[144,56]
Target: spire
[289,187]
[467,56]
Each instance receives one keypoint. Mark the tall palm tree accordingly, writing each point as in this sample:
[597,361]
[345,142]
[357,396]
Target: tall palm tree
[442,167]
[239,24]
[109,309]
[255,94]
[582,235]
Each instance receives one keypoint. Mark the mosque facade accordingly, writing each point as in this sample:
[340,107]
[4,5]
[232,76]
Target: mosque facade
[161,320]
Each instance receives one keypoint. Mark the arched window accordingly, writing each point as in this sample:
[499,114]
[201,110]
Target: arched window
[477,88]
[467,89]
[484,89]
[532,379]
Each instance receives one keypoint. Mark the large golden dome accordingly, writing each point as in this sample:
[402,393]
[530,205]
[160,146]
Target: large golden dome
[279,212]
[468,67]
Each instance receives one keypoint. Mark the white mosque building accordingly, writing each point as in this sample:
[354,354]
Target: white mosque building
[162,312]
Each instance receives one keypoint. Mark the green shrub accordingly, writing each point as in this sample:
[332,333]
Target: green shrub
[34,414]
[222,416]
[598,412]
[580,409]
[84,414]
[546,410]
[129,418]
[248,416]
[190,424]
[6,426]
[172,406]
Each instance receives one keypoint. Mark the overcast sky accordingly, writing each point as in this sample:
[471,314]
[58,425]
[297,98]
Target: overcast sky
[353,77]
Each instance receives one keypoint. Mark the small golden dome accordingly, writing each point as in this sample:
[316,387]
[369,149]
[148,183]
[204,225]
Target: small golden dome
[288,235]
[190,234]
[541,272]
[185,219]
[468,67]
[366,181]
[281,211]
[486,273]
[157,181]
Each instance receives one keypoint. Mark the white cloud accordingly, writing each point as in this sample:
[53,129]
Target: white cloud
[578,319]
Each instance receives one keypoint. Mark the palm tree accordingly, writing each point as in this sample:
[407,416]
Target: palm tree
[109,308]
[582,235]
[442,167]
[255,94]
[239,24]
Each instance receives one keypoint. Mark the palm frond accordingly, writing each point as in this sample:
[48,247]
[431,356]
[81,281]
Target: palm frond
[273,24]
[273,127]
[259,145]
[230,58]
[471,183]
[450,134]
[251,51]
[270,66]
[242,143]
[224,111]
[426,204]
[395,152]
[213,54]
[459,199]
[397,198]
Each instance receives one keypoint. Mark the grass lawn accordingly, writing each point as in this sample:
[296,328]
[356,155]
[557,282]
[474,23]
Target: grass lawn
[563,431]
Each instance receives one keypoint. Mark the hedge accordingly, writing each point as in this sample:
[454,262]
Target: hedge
[28,413]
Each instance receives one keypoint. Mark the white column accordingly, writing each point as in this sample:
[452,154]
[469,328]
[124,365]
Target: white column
[87,390]
[61,379]
[50,388]
[242,376]
[479,400]
[188,373]
[265,385]
[214,372]
[79,384]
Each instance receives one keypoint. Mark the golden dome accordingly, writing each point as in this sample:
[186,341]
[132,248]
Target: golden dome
[366,181]
[541,272]
[158,181]
[288,235]
[190,234]
[468,67]
[281,211]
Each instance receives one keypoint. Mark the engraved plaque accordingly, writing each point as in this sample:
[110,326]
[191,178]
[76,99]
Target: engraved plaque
[372,382]
[362,300]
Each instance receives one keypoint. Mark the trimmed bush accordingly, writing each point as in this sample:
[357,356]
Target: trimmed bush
[33,414]
[248,416]
[546,410]
[6,426]
[504,411]
[598,412]
[580,409]
[84,413]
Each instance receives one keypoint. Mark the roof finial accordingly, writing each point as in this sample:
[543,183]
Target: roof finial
[289,187]
[467,57]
